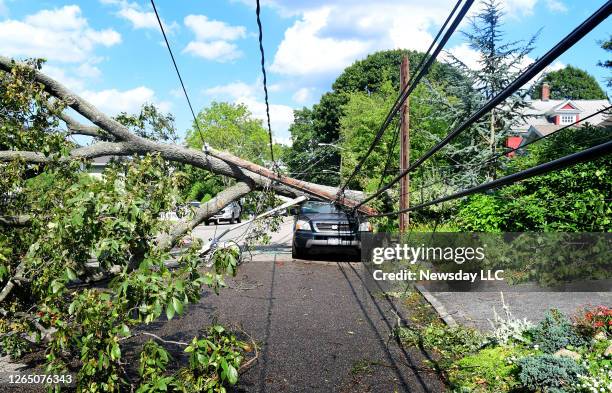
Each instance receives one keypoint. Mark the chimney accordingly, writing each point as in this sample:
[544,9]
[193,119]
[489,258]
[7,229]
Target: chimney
[545,91]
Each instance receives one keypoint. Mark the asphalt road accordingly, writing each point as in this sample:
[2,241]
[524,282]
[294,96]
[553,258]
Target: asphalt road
[319,328]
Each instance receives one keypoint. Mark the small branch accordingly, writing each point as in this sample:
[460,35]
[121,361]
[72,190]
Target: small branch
[246,366]
[205,211]
[77,128]
[15,221]
[155,336]
[11,282]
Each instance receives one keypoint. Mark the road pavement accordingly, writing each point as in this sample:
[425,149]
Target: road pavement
[319,328]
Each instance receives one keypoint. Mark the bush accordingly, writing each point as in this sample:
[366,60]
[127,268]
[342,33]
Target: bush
[489,370]
[591,321]
[449,342]
[554,332]
[548,373]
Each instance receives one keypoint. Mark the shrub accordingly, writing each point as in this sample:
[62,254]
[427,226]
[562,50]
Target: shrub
[548,373]
[509,328]
[554,332]
[592,320]
[449,342]
[489,370]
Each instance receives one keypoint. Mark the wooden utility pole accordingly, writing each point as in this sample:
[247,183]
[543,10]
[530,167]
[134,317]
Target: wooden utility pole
[404,218]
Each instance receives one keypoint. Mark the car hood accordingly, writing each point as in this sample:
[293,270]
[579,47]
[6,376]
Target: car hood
[326,217]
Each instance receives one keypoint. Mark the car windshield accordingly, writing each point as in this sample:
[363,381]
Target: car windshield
[320,207]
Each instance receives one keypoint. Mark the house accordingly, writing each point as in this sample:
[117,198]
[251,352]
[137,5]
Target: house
[99,164]
[545,116]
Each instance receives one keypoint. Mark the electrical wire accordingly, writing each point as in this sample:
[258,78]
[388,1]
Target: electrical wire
[265,82]
[412,83]
[178,73]
[567,42]
[555,165]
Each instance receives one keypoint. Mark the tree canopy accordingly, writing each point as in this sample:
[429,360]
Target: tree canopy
[321,123]
[570,82]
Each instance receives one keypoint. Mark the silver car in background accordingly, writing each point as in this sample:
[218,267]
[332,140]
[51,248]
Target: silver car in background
[230,213]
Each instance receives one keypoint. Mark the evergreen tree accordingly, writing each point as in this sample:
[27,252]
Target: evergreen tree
[607,46]
[499,63]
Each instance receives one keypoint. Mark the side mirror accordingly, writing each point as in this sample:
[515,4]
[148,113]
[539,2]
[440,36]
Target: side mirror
[293,211]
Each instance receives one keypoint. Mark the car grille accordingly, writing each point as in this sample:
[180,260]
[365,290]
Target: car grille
[332,227]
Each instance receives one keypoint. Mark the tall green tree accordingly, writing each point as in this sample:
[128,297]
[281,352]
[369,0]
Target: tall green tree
[499,63]
[570,82]
[227,127]
[321,124]
[232,128]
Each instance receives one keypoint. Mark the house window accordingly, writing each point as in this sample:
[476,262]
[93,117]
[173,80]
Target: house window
[568,119]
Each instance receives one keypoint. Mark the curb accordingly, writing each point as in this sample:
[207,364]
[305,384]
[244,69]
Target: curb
[437,305]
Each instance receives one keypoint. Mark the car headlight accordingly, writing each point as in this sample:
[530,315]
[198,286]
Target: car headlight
[303,225]
[365,227]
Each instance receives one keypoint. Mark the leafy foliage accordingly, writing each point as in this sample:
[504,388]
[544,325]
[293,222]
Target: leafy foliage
[570,82]
[86,269]
[322,122]
[570,200]
[488,370]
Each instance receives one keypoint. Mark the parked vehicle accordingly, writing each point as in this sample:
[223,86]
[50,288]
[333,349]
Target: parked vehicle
[323,226]
[230,213]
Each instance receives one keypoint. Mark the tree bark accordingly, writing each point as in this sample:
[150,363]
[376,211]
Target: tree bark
[217,162]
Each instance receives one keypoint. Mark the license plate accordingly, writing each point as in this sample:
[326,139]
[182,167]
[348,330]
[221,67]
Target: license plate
[334,241]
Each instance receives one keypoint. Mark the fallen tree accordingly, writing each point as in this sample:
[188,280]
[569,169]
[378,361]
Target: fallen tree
[54,218]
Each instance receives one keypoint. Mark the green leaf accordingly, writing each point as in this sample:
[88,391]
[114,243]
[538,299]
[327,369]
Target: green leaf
[178,305]
[71,274]
[170,310]
[232,375]
[115,352]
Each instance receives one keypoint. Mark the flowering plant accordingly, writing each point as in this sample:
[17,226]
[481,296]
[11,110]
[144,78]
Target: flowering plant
[598,319]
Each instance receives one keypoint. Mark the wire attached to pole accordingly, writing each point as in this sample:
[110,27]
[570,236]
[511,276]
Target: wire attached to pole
[265,82]
[178,73]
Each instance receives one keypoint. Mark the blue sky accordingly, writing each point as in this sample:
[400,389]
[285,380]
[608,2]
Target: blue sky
[111,51]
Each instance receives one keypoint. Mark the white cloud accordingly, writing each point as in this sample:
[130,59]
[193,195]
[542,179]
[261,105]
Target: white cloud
[463,53]
[221,51]
[88,70]
[556,6]
[213,39]
[139,19]
[61,34]
[281,116]
[233,90]
[113,101]
[303,95]
[74,84]
[518,8]
[303,51]
[208,29]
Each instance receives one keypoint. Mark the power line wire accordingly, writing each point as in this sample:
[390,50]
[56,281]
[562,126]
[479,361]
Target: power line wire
[265,82]
[412,83]
[178,73]
[555,165]
[567,42]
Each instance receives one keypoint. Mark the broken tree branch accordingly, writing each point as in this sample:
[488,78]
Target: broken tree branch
[15,221]
[205,211]
[220,163]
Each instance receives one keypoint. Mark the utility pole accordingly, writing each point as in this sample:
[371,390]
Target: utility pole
[404,218]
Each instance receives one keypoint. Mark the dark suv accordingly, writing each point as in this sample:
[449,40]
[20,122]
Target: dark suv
[326,227]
